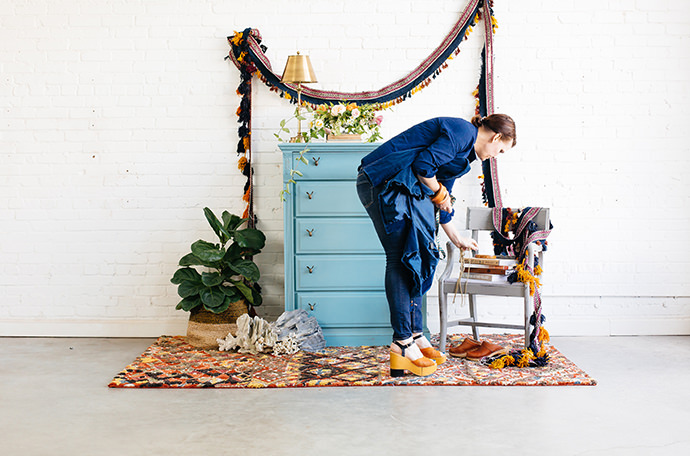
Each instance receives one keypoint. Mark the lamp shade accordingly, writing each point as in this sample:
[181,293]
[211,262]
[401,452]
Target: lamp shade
[298,69]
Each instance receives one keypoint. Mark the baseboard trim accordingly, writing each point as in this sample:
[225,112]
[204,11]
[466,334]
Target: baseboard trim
[557,326]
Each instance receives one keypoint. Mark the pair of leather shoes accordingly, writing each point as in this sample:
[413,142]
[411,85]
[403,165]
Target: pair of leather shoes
[474,350]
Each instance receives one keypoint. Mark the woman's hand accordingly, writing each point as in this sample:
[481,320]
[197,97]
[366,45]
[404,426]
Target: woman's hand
[464,243]
[460,242]
[445,205]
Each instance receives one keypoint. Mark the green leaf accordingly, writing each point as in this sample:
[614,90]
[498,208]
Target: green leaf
[222,308]
[191,260]
[182,274]
[298,173]
[247,269]
[250,238]
[212,297]
[207,252]
[245,290]
[282,123]
[188,304]
[258,299]
[231,222]
[304,160]
[231,292]
[211,279]
[220,231]
[188,289]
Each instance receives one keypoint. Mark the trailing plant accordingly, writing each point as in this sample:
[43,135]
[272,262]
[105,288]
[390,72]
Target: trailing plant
[230,273]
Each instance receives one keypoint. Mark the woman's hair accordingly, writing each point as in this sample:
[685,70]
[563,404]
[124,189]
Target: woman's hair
[498,123]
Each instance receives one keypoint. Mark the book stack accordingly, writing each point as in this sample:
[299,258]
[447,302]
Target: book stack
[488,268]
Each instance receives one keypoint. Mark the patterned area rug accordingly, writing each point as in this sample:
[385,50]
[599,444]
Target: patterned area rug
[172,363]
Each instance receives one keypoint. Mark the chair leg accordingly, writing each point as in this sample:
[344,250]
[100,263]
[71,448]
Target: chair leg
[528,313]
[443,319]
[473,316]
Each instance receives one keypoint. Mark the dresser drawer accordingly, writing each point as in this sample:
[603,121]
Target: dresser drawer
[347,309]
[339,272]
[328,166]
[327,198]
[336,235]
[336,161]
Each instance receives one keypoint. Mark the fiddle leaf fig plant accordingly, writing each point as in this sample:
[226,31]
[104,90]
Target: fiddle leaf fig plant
[228,271]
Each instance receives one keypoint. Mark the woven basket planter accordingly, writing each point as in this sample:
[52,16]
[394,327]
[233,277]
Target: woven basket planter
[204,326]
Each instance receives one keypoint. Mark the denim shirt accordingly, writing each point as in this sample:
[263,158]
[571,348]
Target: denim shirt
[441,147]
[404,202]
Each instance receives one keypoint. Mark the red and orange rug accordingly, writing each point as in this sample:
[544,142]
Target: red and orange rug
[172,363]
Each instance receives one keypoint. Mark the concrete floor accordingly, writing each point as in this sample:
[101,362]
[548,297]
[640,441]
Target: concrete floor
[54,401]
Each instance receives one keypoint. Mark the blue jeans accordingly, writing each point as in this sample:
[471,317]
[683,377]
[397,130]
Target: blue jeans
[406,312]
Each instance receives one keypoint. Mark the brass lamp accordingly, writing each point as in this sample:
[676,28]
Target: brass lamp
[298,70]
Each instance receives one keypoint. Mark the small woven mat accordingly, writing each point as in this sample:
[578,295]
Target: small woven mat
[172,363]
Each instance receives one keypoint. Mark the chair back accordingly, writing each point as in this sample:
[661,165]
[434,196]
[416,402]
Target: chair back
[481,219]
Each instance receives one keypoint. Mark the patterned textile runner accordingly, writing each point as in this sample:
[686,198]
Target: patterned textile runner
[172,363]
[248,49]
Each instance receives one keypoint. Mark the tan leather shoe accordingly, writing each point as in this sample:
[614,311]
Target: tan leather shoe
[433,354]
[486,349]
[461,350]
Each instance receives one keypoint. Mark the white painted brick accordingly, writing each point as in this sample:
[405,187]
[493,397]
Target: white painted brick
[118,127]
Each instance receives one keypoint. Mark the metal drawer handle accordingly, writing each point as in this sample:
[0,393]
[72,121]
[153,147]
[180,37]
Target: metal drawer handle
[310,269]
[310,195]
[311,306]
[316,161]
[310,232]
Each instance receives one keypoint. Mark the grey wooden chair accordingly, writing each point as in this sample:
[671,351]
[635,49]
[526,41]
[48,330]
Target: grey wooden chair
[479,219]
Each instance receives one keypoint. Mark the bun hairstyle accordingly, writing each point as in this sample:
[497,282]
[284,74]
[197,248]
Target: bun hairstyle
[498,123]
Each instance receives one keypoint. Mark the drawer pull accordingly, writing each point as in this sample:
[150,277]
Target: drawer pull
[316,160]
[311,306]
[310,269]
[310,194]
[310,232]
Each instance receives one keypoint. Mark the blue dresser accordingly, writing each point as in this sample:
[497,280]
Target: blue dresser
[334,263]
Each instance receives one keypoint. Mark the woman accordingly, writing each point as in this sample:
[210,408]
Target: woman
[401,184]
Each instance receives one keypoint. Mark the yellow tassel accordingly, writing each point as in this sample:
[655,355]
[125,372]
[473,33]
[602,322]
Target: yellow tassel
[245,214]
[245,197]
[241,163]
[543,335]
[541,353]
[497,364]
[538,270]
[247,142]
[526,357]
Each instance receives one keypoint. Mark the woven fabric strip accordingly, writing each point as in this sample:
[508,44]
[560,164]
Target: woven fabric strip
[398,90]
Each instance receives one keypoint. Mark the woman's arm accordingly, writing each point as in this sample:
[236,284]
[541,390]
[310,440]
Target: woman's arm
[461,242]
[434,185]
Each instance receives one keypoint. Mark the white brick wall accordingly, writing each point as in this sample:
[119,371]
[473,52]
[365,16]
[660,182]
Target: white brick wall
[118,125]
